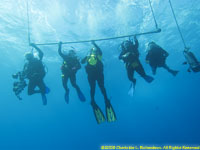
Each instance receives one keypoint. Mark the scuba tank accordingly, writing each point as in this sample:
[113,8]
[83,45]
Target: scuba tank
[192,61]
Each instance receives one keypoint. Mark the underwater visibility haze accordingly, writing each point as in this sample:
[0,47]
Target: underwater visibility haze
[164,112]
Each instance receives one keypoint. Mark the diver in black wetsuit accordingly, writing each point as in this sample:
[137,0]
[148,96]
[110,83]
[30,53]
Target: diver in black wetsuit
[69,69]
[35,72]
[94,69]
[156,57]
[130,56]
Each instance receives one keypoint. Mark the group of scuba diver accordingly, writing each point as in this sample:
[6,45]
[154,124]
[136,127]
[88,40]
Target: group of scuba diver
[34,72]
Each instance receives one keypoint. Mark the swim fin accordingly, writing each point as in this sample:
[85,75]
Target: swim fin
[44,99]
[67,96]
[148,79]
[185,63]
[174,73]
[47,90]
[99,116]
[131,89]
[110,114]
[81,96]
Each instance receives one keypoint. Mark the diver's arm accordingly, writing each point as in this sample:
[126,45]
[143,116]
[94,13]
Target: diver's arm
[121,55]
[123,51]
[166,54]
[99,51]
[78,65]
[97,47]
[59,49]
[93,43]
[147,58]
[83,61]
[41,54]
[136,42]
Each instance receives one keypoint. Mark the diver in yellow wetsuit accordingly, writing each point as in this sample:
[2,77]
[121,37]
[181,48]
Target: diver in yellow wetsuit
[94,69]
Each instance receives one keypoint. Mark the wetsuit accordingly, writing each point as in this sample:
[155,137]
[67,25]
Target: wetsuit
[156,57]
[130,56]
[69,68]
[95,72]
[35,72]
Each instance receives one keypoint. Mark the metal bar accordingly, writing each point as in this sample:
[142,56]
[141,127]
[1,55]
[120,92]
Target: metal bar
[103,39]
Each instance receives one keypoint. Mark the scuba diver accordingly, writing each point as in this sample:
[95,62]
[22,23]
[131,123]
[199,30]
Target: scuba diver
[18,86]
[34,71]
[94,70]
[194,64]
[69,69]
[130,56]
[156,57]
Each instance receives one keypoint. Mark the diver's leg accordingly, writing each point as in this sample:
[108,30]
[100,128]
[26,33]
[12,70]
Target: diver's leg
[140,71]
[173,72]
[64,82]
[153,68]
[92,83]
[130,73]
[100,80]
[42,88]
[73,82]
[31,87]
[65,78]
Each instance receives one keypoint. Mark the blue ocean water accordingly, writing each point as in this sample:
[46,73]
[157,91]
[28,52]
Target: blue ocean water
[163,112]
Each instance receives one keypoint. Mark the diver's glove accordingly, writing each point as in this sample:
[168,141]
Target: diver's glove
[32,44]
[93,42]
[60,44]
[186,49]
[135,38]
[126,55]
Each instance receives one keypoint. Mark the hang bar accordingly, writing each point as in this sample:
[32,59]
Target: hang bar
[111,38]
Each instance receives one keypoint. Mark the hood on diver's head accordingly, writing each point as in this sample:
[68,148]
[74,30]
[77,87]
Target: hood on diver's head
[28,56]
[150,43]
[72,52]
[93,50]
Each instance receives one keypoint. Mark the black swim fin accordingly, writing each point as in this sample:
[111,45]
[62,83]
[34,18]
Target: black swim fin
[81,96]
[99,116]
[67,96]
[184,63]
[131,89]
[110,113]
[174,72]
[47,90]
[44,99]
[148,79]
[189,70]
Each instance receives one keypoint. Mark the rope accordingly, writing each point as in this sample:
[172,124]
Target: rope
[177,25]
[153,15]
[28,23]
[103,39]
